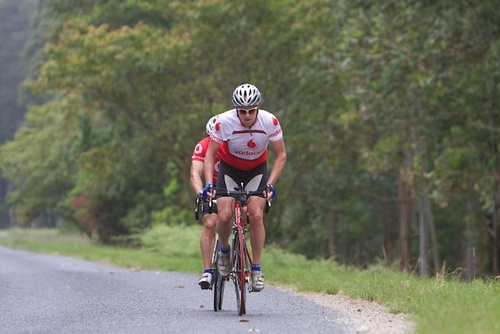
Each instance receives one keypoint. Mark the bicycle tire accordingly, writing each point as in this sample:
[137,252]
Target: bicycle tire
[240,279]
[218,291]
[218,283]
[221,289]
[243,275]
[235,275]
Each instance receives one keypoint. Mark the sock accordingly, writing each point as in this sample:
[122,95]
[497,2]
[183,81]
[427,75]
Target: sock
[209,270]
[256,267]
[225,250]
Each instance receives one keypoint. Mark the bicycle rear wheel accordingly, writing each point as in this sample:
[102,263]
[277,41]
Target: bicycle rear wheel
[240,278]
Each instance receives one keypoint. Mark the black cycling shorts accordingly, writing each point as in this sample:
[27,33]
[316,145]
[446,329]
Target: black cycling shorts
[230,177]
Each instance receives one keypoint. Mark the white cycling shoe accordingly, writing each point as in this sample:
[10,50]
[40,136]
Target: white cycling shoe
[223,264]
[205,281]
[257,281]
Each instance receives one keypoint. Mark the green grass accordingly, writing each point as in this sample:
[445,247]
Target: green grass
[437,305]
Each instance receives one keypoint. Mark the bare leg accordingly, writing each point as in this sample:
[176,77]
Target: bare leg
[225,213]
[257,228]
[207,239]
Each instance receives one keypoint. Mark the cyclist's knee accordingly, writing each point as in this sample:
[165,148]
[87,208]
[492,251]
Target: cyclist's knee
[225,216]
[256,217]
[226,222]
[210,225]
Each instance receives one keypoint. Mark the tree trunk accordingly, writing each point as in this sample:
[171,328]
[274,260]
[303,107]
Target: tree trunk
[495,241]
[470,250]
[432,232]
[423,258]
[404,199]
[332,238]
[427,236]
[386,233]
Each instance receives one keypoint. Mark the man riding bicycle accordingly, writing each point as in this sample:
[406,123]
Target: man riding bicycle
[240,139]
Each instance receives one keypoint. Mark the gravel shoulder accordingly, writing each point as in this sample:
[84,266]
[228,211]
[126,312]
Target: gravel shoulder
[369,317]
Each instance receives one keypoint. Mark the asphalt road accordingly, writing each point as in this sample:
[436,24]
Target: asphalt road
[57,294]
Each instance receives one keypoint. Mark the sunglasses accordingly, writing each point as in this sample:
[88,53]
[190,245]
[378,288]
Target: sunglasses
[248,111]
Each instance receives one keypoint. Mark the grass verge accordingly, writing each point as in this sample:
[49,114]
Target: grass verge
[436,305]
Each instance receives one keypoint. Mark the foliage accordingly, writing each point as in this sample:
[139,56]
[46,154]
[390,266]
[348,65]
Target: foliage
[173,213]
[41,172]
[15,30]
[384,105]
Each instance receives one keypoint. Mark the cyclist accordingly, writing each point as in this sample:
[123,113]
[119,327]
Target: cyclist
[240,139]
[207,238]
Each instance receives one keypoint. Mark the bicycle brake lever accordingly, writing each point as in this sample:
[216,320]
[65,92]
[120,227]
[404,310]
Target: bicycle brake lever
[197,209]
[268,206]
[210,209]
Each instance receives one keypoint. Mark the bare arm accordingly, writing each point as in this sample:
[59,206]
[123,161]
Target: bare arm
[279,162]
[213,147]
[195,174]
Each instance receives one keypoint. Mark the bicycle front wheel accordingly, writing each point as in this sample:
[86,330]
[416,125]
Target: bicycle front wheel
[239,274]
[218,291]
[218,283]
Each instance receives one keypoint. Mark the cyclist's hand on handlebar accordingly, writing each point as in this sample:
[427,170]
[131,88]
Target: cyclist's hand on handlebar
[270,192]
[207,191]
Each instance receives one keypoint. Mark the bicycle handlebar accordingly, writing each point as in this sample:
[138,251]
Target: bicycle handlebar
[198,202]
[238,192]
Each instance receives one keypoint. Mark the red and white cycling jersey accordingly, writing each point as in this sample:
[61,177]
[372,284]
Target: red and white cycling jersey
[200,150]
[241,147]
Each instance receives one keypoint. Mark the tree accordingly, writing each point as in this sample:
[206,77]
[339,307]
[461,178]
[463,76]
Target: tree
[389,110]
[15,28]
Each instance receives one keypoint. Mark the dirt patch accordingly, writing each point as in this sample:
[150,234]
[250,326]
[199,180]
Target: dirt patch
[364,316]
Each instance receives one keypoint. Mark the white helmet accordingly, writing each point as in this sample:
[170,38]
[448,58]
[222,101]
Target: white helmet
[246,95]
[211,124]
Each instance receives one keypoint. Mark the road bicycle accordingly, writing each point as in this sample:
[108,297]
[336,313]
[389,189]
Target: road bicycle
[240,259]
[217,284]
